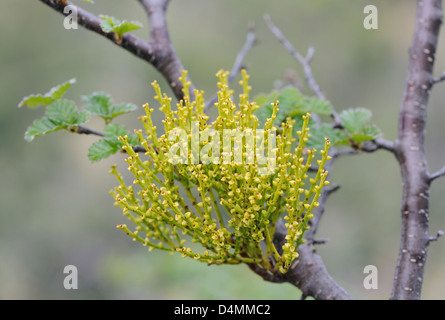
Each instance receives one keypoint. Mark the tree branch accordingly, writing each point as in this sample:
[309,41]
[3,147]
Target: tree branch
[251,40]
[410,152]
[88,131]
[85,130]
[158,51]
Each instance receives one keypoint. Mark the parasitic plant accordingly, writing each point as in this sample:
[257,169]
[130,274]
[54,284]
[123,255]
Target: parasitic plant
[215,202]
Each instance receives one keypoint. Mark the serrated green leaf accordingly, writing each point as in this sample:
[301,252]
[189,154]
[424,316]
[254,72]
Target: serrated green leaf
[99,104]
[102,149]
[319,106]
[113,130]
[56,93]
[355,120]
[82,117]
[33,101]
[108,23]
[64,112]
[291,101]
[369,133]
[120,109]
[372,131]
[41,127]
[319,133]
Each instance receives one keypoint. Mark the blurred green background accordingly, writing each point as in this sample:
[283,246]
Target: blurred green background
[55,207]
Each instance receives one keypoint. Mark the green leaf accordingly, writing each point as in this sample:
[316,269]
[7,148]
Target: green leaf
[113,130]
[102,149]
[319,106]
[99,104]
[33,101]
[108,23]
[41,127]
[120,109]
[111,24]
[82,117]
[369,133]
[65,112]
[319,133]
[56,93]
[355,120]
[291,101]
[127,26]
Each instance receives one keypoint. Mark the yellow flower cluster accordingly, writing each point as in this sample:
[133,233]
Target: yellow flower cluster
[230,208]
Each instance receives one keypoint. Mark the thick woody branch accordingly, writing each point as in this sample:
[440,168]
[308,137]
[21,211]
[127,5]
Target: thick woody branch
[158,51]
[410,152]
[251,40]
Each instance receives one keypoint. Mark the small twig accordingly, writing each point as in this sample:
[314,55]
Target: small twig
[318,241]
[332,189]
[344,152]
[139,149]
[439,234]
[380,143]
[305,63]
[238,65]
[439,79]
[367,146]
[310,54]
[85,130]
[437,174]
